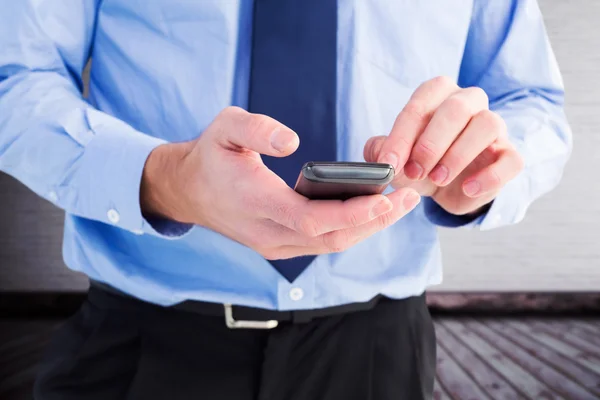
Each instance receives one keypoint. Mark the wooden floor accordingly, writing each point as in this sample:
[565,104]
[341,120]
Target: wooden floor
[478,358]
[518,358]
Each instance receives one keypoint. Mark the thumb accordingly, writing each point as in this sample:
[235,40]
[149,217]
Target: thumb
[241,129]
[373,148]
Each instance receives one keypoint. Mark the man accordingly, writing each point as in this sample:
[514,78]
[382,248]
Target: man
[175,176]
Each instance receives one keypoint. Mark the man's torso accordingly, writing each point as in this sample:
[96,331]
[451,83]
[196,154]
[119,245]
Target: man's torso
[168,67]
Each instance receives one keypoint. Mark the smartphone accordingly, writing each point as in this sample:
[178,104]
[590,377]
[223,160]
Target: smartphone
[343,180]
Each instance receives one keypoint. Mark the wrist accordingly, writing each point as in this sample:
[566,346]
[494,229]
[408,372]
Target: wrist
[160,193]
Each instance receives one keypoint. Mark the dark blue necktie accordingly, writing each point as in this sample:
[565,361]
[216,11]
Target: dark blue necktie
[293,79]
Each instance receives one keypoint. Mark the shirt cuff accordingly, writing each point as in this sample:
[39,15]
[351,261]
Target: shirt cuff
[438,216]
[110,174]
[510,206]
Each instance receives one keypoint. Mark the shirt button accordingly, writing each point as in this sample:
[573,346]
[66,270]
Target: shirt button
[296,294]
[113,216]
[52,196]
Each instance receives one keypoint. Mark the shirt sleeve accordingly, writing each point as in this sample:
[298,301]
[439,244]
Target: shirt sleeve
[83,160]
[508,54]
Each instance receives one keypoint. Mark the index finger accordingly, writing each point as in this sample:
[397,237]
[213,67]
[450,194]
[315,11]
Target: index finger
[413,119]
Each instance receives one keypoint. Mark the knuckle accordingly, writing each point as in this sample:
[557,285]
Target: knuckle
[415,110]
[256,124]
[308,225]
[443,81]
[403,142]
[477,93]
[457,107]
[491,122]
[232,111]
[386,220]
[454,160]
[426,149]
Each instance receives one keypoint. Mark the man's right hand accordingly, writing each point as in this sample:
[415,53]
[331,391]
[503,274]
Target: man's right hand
[220,182]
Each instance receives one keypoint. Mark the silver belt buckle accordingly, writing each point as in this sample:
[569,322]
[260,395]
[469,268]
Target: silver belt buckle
[234,324]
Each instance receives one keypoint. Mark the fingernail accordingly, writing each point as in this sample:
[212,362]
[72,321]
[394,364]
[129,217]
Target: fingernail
[411,200]
[282,139]
[384,206]
[439,174]
[471,188]
[413,170]
[392,159]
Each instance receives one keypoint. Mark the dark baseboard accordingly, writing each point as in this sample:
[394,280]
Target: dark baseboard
[58,305]
[552,303]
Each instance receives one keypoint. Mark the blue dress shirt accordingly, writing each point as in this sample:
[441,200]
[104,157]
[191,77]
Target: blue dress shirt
[163,69]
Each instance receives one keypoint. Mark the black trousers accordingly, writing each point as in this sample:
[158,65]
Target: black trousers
[121,348]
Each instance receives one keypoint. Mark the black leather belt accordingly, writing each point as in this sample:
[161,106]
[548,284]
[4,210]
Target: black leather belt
[242,317]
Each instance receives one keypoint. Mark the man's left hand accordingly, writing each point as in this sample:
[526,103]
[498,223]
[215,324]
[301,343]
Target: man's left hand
[447,144]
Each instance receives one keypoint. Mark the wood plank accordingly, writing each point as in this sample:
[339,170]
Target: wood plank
[480,370]
[557,381]
[528,384]
[583,358]
[490,302]
[566,365]
[586,331]
[568,334]
[456,381]
[439,391]
[586,323]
